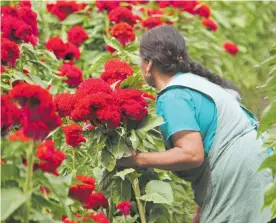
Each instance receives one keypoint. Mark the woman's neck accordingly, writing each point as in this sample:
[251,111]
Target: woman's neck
[162,81]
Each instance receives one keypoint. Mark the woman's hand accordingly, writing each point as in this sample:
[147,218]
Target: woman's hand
[196,215]
[129,162]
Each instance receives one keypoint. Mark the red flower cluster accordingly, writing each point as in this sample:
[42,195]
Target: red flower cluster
[96,200]
[9,52]
[92,86]
[107,5]
[210,24]
[73,135]
[231,48]
[99,217]
[122,14]
[50,158]
[152,22]
[203,10]
[64,103]
[132,104]
[116,70]
[94,216]
[18,136]
[123,32]
[19,24]
[64,8]
[73,74]
[124,207]
[37,108]
[66,51]
[77,35]
[10,114]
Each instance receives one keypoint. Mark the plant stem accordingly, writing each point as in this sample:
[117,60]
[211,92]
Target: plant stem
[137,192]
[125,219]
[74,158]
[28,181]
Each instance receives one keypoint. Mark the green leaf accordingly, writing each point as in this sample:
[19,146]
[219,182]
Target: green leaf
[269,162]
[73,19]
[155,198]
[150,123]
[270,195]
[97,63]
[113,42]
[12,199]
[118,148]
[108,160]
[268,118]
[270,60]
[159,214]
[131,82]
[134,140]
[121,191]
[122,174]
[9,172]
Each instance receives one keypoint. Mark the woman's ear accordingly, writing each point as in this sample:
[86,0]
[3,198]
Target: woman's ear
[149,66]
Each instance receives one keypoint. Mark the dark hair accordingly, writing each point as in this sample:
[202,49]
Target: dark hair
[166,48]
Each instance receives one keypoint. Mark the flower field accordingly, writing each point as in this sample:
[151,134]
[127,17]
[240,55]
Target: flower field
[73,102]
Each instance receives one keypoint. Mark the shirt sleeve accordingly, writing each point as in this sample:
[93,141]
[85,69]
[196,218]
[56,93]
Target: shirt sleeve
[177,108]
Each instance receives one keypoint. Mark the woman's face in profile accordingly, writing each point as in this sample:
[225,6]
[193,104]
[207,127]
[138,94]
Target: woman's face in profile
[147,76]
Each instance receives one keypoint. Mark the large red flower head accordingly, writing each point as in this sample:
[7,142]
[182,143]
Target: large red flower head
[8,10]
[203,10]
[57,46]
[107,5]
[123,32]
[152,22]
[77,35]
[188,6]
[122,14]
[25,3]
[73,74]
[28,16]
[132,104]
[100,108]
[9,52]
[210,24]
[99,217]
[73,135]
[231,48]
[71,52]
[64,8]
[96,200]
[124,207]
[116,70]
[64,103]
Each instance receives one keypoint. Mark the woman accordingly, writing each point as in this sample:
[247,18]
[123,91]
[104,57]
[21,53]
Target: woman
[210,137]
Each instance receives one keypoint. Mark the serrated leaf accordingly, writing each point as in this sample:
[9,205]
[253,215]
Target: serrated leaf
[108,160]
[73,19]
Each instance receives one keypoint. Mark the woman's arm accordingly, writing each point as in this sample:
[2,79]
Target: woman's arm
[188,153]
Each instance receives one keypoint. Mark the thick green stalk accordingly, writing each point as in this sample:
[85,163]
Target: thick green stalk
[137,192]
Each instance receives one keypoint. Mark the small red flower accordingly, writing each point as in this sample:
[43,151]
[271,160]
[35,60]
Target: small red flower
[107,5]
[18,136]
[203,10]
[124,207]
[77,35]
[110,49]
[152,22]
[64,103]
[121,14]
[73,74]
[86,180]
[99,217]
[231,48]
[9,52]
[57,46]
[96,200]
[210,24]
[3,69]
[73,135]
[123,32]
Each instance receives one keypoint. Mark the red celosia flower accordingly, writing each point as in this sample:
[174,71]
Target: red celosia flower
[121,14]
[99,217]
[73,135]
[25,3]
[67,220]
[64,8]
[210,24]
[57,46]
[107,5]
[152,22]
[231,47]
[18,136]
[110,49]
[123,32]
[99,108]
[44,190]
[164,4]
[71,52]
[73,74]
[3,69]
[132,104]
[124,207]
[29,17]
[86,180]
[92,86]
[155,12]
[9,10]
[77,35]
[203,10]
[96,200]
[188,6]
[116,70]
[64,103]
[9,52]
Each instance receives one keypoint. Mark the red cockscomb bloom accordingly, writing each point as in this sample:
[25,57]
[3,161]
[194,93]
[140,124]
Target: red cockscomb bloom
[29,17]
[25,3]
[57,46]
[152,22]
[188,6]
[231,48]
[9,10]
[107,5]
[133,106]
[71,52]
[77,35]
[73,74]
[155,12]
[123,32]
[110,49]
[164,4]
[64,103]
[116,70]
[86,180]
[99,217]
[73,135]
[210,24]
[96,200]
[18,136]
[121,14]
[92,86]
[9,52]
[99,108]
[124,207]
[3,69]
[203,10]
